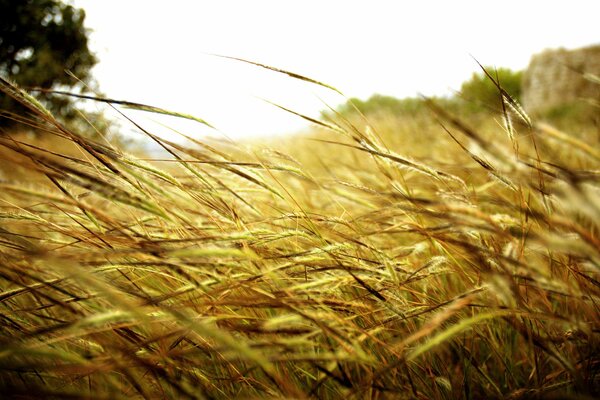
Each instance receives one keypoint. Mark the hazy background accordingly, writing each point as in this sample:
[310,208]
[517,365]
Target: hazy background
[157,52]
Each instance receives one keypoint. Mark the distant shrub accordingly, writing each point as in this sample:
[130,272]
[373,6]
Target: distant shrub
[481,93]
[382,104]
[478,93]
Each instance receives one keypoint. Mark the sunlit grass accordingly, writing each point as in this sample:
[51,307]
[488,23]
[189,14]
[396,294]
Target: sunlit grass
[408,258]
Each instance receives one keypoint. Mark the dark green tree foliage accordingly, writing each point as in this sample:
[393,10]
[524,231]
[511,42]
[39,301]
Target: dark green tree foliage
[39,40]
[481,93]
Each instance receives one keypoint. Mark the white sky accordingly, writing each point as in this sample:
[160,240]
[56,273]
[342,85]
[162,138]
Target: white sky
[155,52]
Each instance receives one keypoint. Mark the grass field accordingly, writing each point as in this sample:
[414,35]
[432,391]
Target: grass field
[433,257]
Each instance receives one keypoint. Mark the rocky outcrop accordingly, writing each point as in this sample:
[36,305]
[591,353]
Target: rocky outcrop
[557,78]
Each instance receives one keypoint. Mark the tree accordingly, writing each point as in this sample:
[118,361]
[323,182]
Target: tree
[39,40]
[482,93]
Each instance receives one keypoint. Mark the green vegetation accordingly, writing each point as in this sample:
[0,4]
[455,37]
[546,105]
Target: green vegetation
[380,104]
[481,91]
[402,257]
[39,40]
[478,94]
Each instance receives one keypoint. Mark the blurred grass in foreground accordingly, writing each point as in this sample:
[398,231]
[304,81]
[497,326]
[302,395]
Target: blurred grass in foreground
[428,258]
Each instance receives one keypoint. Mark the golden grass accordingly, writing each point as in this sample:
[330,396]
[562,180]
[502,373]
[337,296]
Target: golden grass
[425,259]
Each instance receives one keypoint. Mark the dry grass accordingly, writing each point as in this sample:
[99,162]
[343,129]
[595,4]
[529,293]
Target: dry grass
[338,268]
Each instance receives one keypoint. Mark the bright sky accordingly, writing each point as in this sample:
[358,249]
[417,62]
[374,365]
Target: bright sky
[156,52]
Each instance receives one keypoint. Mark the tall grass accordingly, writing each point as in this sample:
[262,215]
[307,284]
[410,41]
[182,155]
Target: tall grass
[350,267]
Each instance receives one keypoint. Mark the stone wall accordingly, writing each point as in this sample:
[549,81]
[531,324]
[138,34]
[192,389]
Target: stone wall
[555,78]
